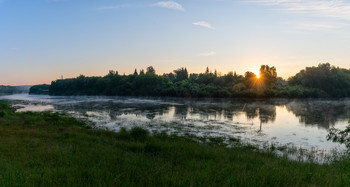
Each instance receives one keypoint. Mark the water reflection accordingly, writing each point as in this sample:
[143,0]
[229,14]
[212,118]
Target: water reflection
[320,113]
[301,122]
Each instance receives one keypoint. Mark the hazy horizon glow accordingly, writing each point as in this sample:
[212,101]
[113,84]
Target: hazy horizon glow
[43,39]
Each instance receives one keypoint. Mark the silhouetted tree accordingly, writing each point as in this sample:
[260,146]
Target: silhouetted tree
[150,70]
[142,72]
[181,74]
[250,79]
[328,79]
[322,81]
[171,77]
[42,89]
[268,75]
[207,70]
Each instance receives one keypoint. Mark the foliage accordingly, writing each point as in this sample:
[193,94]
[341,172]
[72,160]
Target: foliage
[150,70]
[179,83]
[181,74]
[333,81]
[268,75]
[322,81]
[8,90]
[340,136]
[42,89]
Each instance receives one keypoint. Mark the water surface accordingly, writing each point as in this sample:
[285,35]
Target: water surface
[302,123]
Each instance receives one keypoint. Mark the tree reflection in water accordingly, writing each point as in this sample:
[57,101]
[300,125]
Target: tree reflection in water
[310,112]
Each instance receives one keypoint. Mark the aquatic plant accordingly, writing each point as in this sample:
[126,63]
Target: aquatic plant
[341,136]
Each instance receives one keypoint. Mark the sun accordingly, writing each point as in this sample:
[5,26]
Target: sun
[257,73]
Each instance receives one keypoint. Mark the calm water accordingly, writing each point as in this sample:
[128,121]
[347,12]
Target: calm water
[301,123]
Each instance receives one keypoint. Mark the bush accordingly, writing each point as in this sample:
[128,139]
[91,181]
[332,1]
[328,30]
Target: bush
[139,133]
[2,113]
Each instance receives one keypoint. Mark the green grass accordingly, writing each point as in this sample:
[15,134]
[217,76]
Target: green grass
[44,149]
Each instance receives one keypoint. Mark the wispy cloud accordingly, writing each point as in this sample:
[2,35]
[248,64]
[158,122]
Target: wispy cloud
[338,9]
[170,4]
[327,15]
[319,26]
[210,53]
[204,24]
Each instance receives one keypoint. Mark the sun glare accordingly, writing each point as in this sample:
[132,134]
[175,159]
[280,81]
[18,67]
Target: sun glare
[257,73]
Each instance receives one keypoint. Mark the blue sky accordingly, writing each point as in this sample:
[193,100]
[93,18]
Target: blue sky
[40,40]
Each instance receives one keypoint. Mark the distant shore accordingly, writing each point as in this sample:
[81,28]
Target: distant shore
[322,81]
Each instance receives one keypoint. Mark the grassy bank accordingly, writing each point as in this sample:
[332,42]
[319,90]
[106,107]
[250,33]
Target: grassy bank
[54,150]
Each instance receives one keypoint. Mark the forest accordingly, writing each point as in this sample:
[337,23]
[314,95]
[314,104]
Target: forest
[8,90]
[319,81]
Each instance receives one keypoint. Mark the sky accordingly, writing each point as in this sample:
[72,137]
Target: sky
[42,40]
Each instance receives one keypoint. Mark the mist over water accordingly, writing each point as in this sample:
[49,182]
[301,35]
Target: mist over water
[299,122]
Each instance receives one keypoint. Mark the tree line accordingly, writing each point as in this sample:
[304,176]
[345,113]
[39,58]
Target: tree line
[323,80]
[8,90]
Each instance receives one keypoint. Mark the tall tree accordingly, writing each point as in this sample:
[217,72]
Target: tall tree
[142,72]
[181,74]
[250,79]
[150,70]
[268,75]
[206,70]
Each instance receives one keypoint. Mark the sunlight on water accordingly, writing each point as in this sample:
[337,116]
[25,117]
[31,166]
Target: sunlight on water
[34,108]
[301,123]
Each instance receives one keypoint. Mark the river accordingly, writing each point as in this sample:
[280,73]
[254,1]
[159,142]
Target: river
[298,123]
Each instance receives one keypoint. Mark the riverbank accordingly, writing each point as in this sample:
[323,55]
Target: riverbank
[55,150]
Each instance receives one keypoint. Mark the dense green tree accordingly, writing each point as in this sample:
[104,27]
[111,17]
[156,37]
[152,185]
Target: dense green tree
[40,89]
[250,79]
[142,72]
[331,80]
[171,77]
[181,74]
[193,77]
[321,81]
[268,75]
[150,70]
[207,71]
[8,90]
